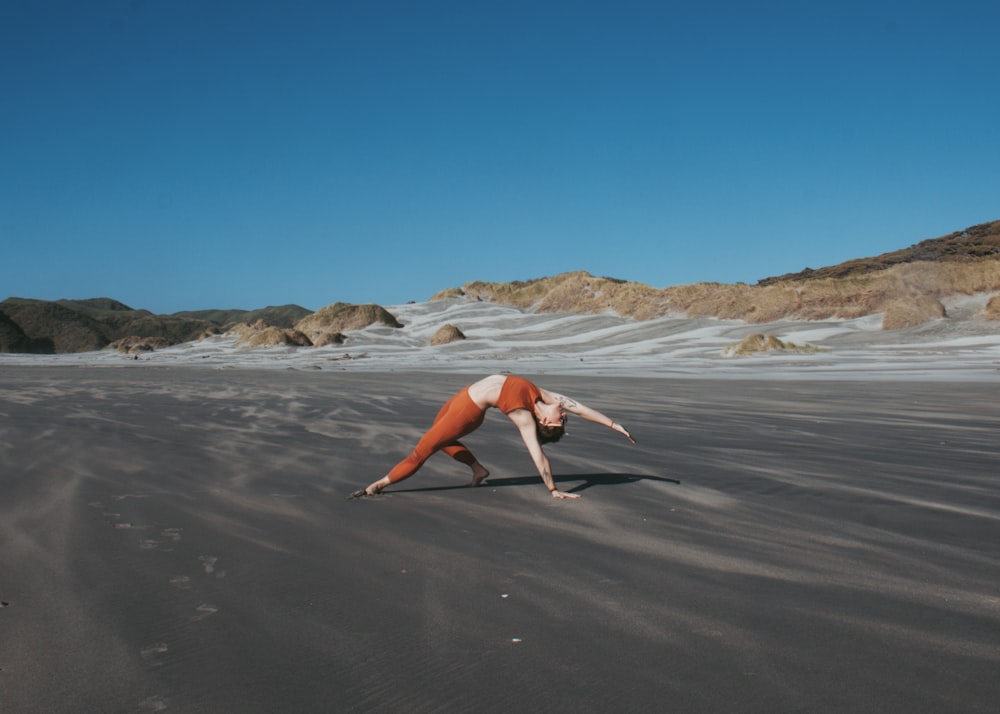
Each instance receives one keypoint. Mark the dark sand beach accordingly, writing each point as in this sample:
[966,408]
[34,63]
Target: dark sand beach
[178,539]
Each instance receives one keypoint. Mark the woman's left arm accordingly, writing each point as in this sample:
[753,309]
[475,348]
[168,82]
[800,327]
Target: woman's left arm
[585,412]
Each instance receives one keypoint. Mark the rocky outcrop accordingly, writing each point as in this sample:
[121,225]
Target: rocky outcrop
[447,334]
[340,317]
[138,345]
[261,334]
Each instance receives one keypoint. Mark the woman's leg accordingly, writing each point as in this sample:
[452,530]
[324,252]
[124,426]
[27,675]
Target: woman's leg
[458,451]
[458,417]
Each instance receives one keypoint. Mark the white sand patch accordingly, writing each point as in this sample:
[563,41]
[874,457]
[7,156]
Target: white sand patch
[501,338]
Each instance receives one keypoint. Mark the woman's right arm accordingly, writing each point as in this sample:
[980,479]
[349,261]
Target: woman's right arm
[525,423]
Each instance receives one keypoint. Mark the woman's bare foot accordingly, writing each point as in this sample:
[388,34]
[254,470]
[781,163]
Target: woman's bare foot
[479,474]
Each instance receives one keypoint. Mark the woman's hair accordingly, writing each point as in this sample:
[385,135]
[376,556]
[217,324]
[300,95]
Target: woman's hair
[550,434]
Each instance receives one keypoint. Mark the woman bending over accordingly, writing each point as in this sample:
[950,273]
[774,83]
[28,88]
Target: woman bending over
[540,416]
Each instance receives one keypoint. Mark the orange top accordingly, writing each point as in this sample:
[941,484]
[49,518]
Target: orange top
[517,393]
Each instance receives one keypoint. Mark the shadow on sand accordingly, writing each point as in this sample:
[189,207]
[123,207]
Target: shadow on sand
[588,481]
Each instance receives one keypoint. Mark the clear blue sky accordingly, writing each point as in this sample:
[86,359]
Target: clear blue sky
[182,154]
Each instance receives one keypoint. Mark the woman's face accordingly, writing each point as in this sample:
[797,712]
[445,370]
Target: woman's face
[549,414]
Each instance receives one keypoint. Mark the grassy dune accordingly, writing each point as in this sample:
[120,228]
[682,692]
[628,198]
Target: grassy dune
[906,285]
[919,284]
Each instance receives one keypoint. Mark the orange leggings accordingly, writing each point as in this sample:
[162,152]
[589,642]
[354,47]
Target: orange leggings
[458,417]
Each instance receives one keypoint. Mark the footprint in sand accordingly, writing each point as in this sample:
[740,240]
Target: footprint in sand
[204,610]
[208,563]
[172,534]
[130,495]
[153,704]
[151,653]
[112,514]
[109,514]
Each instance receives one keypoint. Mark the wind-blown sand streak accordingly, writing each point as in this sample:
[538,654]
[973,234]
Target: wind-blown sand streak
[178,539]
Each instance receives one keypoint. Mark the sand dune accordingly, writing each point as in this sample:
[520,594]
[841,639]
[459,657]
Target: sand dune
[506,338]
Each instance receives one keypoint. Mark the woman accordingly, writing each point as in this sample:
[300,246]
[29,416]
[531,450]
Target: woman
[540,416]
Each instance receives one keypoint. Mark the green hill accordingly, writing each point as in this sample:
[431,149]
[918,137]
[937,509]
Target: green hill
[55,326]
[68,329]
[13,339]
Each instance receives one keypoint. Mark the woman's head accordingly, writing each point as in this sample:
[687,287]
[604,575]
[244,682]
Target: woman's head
[550,420]
[550,434]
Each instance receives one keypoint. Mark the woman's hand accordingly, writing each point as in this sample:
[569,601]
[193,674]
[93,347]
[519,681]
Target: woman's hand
[562,494]
[622,430]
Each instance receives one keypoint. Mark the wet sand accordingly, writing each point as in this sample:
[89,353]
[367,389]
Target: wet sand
[178,539]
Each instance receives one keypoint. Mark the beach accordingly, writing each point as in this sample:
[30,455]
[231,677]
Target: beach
[178,538]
